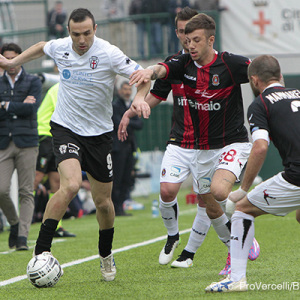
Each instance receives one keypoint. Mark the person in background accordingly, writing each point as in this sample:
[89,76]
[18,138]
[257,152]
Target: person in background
[137,7]
[113,10]
[56,21]
[20,97]
[46,159]
[122,153]
[273,115]
[175,6]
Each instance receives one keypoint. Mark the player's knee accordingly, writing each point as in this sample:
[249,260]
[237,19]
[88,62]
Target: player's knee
[218,193]
[166,194]
[104,205]
[71,189]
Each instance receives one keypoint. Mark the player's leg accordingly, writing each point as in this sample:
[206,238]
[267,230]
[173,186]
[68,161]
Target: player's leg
[70,182]
[54,182]
[198,233]
[175,168]
[105,213]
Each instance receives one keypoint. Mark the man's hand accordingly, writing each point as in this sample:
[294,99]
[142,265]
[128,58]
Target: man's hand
[122,130]
[30,99]
[140,107]
[140,76]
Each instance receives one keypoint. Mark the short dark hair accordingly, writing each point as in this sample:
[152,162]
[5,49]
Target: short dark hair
[11,47]
[201,21]
[266,67]
[81,14]
[185,14]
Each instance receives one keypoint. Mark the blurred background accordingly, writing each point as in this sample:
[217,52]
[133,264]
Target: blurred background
[248,27]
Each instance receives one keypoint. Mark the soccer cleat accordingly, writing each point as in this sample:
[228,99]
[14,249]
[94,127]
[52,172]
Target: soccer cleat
[167,252]
[227,268]
[108,267]
[254,250]
[227,285]
[60,232]
[183,261]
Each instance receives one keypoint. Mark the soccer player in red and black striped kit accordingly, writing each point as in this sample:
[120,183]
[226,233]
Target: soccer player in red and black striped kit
[211,82]
[205,136]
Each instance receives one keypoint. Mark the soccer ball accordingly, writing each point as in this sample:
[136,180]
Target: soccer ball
[44,270]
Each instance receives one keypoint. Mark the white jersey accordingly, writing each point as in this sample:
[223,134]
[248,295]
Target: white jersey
[85,92]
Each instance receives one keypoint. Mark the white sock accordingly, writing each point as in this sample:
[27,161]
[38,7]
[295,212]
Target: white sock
[242,234]
[222,228]
[223,204]
[169,212]
[199,230]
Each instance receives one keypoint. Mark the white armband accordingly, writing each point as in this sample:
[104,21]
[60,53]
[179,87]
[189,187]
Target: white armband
[261,134]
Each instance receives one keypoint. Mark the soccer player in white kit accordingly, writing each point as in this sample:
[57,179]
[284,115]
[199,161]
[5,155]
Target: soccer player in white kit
[81,124]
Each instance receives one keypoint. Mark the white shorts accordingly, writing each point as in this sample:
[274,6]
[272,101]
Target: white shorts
[276,196]
[177,164]
[232,158]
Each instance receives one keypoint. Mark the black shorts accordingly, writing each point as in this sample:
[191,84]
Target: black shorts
[46,158]
[93,152]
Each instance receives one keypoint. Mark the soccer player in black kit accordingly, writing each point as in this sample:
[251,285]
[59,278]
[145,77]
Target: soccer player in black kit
[211,82]
[275,115]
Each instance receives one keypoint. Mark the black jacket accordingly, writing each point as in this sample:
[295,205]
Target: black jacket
[135,123]
[19,122]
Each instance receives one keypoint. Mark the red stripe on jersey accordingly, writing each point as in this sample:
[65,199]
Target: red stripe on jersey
[188,137]
[157,97]
[163,64]
[202,84]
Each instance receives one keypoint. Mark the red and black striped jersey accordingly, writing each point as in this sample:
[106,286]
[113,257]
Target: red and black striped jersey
[277,110]
[182,131]
[212,94]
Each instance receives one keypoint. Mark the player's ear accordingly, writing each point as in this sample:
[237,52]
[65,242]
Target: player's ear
[211,40]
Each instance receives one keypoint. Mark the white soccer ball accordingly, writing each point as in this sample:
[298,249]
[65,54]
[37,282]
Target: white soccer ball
[44,270]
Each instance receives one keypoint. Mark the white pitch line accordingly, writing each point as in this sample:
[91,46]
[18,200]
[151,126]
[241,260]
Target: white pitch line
[80,261]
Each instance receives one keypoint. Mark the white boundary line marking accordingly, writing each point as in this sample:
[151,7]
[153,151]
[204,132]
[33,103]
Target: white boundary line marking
[80,261]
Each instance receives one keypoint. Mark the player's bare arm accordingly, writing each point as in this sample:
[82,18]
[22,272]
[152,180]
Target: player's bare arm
[122,129]
[29,54]
[139,106]
[151,73]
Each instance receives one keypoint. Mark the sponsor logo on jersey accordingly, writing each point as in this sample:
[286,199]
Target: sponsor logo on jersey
[175,171]
[66,74]
[163,172]
[205,182]
[190,77]
[94,62]
[73,148]
[43,162]
[63,149]
[209,106]
[128,60]
[215,80]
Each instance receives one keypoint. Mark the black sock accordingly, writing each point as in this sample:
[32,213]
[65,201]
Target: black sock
[46,234]
[173,237]
[105,241]
[187,254]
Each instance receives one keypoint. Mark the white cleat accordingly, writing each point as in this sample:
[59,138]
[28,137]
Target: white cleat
[167,252]
[227,285]
[108,267]
[187,263]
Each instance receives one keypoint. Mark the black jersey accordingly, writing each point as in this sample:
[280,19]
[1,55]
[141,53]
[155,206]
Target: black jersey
[214,96]
[182,131]
[277,110]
